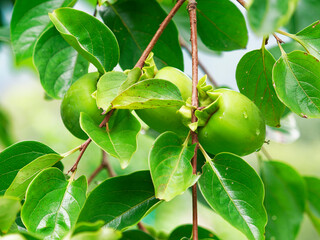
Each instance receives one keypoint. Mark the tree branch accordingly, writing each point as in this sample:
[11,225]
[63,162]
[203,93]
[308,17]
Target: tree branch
[157,35]
[192,9]
[139,64]
[104,165]
[86,143]
[201,65]
[243,3]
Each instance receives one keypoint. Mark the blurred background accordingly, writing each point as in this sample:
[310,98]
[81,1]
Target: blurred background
[27,114]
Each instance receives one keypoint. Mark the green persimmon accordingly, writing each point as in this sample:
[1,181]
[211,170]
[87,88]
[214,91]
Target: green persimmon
[78,99]
[166,118]
[237,126]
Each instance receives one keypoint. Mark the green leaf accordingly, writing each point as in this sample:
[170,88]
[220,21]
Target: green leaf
[87,227]
[53,204]
[102,234]
[267,16]
[17,156]
[5,34]
[108,88]
[306,12]
[9,208]
[136,235]
[285,200]
[150,93]
[313,205]
[58,64]
[26,174]
[134,22]
[186,231]
[217,28]
[254,80]
[122,201]
[6,138]
[90,37]
[296,78]
[309,38]
[29,20]
[170,166]
[235,191]
[287,47]
[119,138]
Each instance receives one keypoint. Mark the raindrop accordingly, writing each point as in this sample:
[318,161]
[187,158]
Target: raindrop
[245,115]
[257,132]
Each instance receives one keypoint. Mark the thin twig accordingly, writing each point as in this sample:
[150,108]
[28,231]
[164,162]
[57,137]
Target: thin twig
[277,38]
[243,3]
[96,9]
[104,165]
[86,143]
[265,152]
[192,9]
[201,65]
[155,38]
[95,173]
[142,227]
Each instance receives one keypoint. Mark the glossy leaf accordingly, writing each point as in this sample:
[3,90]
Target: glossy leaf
[216,26]
[101,234]
[53,204]
[134,22]
[136,235]
[108,88]
[285,200]
[170,166]
[123,201]
[87,227]
[29,20]
[254,79]
[267,16]
[6,138]
[21,182]
[313,205]
[119,138]
[9,208]
[296,78]
[58,64]
[186,231]
[310,39]
[235,191]
[151,93]
[17,156]
[90,37]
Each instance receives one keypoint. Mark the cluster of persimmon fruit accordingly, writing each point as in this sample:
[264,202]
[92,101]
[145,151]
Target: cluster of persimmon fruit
[233,123]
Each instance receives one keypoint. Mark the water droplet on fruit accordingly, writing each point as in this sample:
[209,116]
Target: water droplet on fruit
[274,217]
[273,238]
[245,115]
[257,132]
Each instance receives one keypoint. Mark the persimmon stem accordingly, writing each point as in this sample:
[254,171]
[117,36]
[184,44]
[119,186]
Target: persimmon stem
[192,9]
[157,35]
[201,65]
